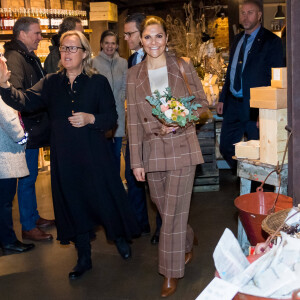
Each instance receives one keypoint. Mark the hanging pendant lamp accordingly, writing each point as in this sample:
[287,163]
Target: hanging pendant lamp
[279,14]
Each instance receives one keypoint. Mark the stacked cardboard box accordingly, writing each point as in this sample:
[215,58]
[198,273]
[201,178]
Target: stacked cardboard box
[249,149]
[272,104]
[274,96]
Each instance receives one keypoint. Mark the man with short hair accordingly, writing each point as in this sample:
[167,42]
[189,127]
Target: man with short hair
[26,70]
[136,190]
[53,58]
[254,52]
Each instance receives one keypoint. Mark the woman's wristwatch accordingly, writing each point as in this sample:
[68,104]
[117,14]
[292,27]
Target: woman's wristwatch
[24,139]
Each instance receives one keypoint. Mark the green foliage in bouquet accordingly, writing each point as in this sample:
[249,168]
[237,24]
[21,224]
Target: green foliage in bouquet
[179,111]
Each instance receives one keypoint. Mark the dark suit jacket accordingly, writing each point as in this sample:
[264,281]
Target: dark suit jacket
[149,149]
[266,53]
[130,59]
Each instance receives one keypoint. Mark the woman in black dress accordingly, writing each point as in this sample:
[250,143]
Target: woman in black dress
[86,186]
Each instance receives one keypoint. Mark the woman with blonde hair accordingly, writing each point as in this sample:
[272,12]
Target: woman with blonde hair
[86,187]
[167,155]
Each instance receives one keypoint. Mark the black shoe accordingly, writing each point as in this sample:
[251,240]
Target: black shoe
[16,247]
[145,230]
[123,248]
[78,271]
[155,239]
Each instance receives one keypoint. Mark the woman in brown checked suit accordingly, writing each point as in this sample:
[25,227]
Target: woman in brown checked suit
[169,159]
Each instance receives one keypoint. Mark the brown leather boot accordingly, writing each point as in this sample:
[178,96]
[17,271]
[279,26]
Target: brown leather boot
[169,287]
[36,234]
[43,223]
[189,255]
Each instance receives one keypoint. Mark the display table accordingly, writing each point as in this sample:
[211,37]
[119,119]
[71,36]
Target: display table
[253,170]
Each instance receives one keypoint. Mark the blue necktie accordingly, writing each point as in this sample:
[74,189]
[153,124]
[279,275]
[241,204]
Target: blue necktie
[134,60]
[239,66]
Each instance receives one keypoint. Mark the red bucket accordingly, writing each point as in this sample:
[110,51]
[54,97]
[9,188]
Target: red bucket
[254,207]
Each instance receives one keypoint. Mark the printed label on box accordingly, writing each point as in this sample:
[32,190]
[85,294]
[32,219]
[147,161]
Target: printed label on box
[276,74]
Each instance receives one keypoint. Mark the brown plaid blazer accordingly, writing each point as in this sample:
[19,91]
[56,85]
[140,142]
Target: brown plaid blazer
[149,149]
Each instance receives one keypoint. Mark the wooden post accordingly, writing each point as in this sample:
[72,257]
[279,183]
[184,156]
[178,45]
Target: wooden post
[233,18]
[98,27]
[293,67]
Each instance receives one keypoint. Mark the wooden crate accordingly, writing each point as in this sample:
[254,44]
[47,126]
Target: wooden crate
[79,5]
[268,97]
[207,174]
[103,11]
[249,149]
[102,6]
[55,4]
[273,135]
[37,4]
[103,16]
[279,78]
[69,5]
[12,3]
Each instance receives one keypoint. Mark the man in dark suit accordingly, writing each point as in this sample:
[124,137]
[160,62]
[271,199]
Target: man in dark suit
[254,52]
[136,190]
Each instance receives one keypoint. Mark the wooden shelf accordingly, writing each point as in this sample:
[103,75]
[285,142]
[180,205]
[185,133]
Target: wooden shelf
[4,32]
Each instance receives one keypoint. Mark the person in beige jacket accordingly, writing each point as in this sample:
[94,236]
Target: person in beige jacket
[12,166]
[169,159]
[109,64]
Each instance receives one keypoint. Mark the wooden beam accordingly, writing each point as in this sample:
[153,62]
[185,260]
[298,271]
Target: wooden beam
[233,18]
[293,67]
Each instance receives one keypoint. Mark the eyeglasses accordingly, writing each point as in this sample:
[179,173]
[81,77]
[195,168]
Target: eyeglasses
[72,49]
[129,34]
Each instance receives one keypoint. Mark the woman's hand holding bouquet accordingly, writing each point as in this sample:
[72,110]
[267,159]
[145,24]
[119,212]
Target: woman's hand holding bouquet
[173,112]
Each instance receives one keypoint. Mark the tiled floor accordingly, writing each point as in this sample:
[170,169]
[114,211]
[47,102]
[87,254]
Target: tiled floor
[43,272]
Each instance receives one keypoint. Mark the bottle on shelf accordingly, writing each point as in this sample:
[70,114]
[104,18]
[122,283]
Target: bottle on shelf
[5,19]
[43,19]
[85,23]
[28,12]
[60,17]
[22,12]
[1,18]
[16,15]
[50,17]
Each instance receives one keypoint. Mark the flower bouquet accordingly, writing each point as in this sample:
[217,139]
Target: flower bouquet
[172,111]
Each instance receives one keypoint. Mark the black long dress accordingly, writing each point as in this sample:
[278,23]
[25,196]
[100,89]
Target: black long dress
[86,187]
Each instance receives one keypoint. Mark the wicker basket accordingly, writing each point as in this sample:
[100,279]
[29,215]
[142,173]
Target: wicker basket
[272,222]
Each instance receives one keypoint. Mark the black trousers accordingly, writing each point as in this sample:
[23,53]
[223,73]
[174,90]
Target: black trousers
[7,193]
[236,124]
[83,247]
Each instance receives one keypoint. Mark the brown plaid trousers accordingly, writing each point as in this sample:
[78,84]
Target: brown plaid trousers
[171,192]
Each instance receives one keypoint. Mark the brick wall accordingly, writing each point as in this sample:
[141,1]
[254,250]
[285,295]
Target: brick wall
[219,29]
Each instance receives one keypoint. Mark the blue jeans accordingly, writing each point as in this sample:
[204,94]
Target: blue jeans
[7,193]
[116,145]
[26,192]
